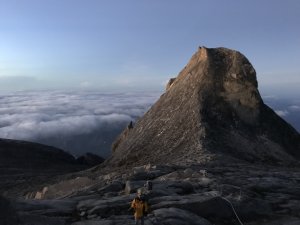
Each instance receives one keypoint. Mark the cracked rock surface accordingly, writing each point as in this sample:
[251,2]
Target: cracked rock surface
[258,195]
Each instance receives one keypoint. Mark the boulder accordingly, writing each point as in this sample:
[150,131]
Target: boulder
[212,208]
[118,205]
[175,216]
[250,208]
[133,186]
[115,186]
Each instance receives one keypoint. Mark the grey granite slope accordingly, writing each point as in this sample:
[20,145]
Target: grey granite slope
[212,110]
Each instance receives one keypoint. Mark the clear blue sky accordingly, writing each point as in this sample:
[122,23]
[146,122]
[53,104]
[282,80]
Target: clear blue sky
[139,44]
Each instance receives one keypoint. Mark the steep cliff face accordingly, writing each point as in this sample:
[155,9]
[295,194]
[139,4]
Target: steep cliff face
[211,110]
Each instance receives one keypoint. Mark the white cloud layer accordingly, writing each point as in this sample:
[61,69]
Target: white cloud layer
[282,113]
[294,108]
[62,119]
[85,121]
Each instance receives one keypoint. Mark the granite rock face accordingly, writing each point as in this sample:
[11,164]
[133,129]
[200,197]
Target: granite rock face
[212,110]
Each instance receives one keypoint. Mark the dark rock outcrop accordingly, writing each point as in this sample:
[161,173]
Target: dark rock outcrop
[26,164]
[90,159]
[212,110]
[32,155]
[169,84]
[8,215]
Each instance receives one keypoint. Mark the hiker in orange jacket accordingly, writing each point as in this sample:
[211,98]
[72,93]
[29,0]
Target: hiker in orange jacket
[140,206]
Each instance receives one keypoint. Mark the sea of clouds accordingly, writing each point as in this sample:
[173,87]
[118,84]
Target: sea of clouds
[85,121]
[77,122]
[287,108]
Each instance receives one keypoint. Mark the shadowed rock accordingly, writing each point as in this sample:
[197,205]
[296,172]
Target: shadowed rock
[8,215]
[169,84]
[25,164]
[90,159]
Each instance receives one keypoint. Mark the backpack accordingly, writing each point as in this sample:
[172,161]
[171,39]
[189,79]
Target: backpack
[144,198]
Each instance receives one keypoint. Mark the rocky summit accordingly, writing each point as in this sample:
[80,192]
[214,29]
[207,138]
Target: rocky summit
[214,152]
[211,110]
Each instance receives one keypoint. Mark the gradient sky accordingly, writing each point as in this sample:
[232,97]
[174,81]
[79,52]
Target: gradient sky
[140,44]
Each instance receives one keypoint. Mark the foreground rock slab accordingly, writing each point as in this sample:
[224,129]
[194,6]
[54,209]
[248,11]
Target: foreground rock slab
[256,194]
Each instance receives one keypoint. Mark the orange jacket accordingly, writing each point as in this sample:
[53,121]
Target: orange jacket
[140,207]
